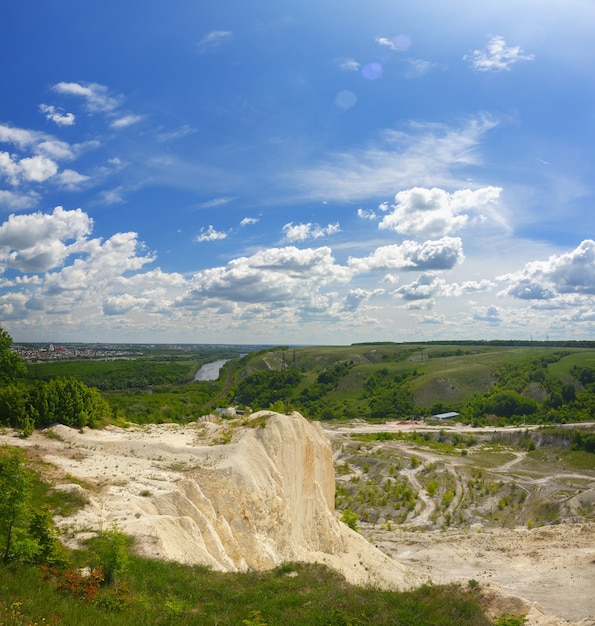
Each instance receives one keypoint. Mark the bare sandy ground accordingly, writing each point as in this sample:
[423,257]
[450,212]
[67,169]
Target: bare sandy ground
[553,566]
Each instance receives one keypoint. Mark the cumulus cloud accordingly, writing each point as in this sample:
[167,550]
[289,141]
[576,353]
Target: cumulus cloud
[41,163]
[434,212]
[95,96]
[37,168]
[285,276]
[18,201]
[490,314]
[101,278]
[367,214]
[420,289]
[429,285]
[55,115]
[214,39]
[29,169]
[355,298]
[249,220]
[569,273]
[440,254]
[302,232]
[37,242]
[20,137]
[71,180]
[121,304]
[209,234]
[496,56]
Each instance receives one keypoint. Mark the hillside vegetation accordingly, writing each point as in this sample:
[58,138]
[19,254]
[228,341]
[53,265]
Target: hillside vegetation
[485,383]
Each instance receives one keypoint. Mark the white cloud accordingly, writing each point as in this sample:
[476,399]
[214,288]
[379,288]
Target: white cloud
[421,289]
[37,168]
[30,169]
[569,273]
[54,115]
[215,202]
[96,97]
[302,232]
[441,254]
[496,56]
[20,137]
[214,39]
[490,314]
[71,180]
[367,214]
[36,242]
[209,234]
[350,65]
[9,168]
[249,220]
[288,277]
[126,120]
[428,285]
[112,196]
[427,154]
[59,150]
[434,212]
[17,201]
[121,304]
[419,67]
[386,42]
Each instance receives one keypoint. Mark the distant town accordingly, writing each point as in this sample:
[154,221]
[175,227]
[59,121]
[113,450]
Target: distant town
[42,352]
[36,353]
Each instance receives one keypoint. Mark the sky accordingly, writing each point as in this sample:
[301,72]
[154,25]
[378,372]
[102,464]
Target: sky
[297,172]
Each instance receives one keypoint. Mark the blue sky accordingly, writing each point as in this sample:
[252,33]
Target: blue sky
[297,172]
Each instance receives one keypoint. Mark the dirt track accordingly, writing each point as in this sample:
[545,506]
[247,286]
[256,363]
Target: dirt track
[552,565]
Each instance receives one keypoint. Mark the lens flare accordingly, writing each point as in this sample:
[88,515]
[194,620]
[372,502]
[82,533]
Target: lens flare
[372,71]
[345,99]
[402,42]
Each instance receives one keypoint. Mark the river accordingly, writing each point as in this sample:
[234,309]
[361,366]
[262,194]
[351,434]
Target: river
[210,371]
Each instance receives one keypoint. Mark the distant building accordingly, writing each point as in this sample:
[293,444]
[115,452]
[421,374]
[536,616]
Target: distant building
[445,416]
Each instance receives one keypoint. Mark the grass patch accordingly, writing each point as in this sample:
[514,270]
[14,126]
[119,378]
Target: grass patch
[167,593]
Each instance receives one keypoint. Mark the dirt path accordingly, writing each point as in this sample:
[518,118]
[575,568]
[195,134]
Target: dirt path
[551,565]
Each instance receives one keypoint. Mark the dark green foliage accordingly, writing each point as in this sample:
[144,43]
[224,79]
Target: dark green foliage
[15,490]
[61,400]
[390,396]
[118,374]
[507,403]
[111,547]
[11,366]
[263,388]
[583,441]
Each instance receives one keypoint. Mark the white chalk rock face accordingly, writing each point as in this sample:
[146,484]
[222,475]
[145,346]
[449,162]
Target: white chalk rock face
[264,499]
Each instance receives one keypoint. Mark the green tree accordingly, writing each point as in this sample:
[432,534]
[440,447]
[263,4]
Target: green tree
[11,365]
[112,549]
[15,490]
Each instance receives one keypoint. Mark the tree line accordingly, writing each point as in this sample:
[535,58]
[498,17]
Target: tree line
[28,405]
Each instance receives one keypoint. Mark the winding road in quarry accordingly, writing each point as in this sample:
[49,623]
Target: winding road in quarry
[552,566]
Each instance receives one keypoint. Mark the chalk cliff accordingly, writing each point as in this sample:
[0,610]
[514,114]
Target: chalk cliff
[264,497]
